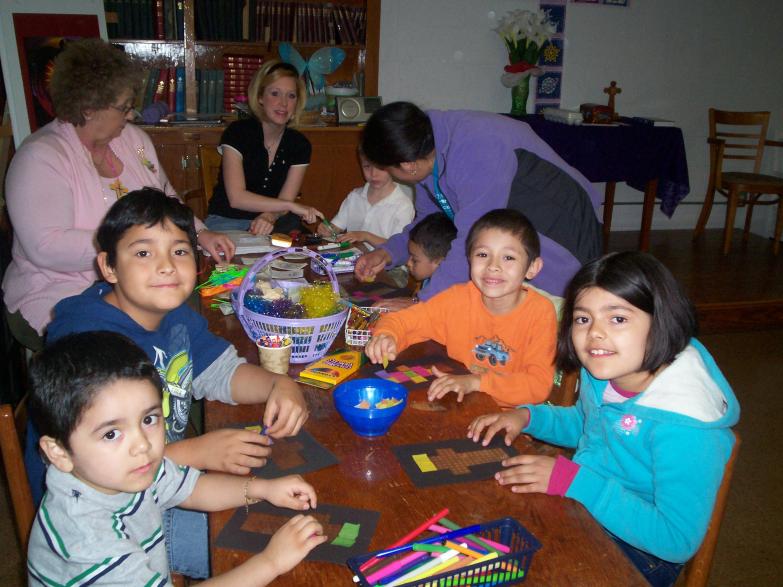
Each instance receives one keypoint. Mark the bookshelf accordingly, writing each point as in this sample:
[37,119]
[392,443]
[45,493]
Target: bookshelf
[183,47]
[334,169]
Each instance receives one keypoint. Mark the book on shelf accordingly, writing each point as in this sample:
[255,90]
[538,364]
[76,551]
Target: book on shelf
[161,86]
[179,102]
[179,16]
[160,21]
[333,368]
[217,104]
[111,9]
[170,19]
[652,121]
[171,89]
[150,86]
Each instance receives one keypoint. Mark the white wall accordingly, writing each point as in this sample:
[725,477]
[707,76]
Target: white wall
[672,58]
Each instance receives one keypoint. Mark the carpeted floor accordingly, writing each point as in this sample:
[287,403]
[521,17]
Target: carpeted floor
[748,551]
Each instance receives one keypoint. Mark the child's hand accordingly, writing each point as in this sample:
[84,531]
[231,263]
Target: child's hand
[380,347]
[291,492]
[262,224]
[322,230]
[527,473]
[352,236]
[370,264]
[234,451]
[513,422]
[286,409]
[446,382]
[291,543]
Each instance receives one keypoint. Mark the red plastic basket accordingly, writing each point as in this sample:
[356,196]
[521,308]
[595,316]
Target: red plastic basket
[311,337]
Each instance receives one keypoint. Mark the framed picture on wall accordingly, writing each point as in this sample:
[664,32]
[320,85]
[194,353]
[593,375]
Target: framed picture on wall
[32,33]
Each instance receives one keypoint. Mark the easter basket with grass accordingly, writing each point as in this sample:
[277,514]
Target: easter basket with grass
[311,337]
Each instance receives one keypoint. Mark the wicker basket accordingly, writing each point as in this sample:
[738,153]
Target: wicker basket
[312,337]
[356,336]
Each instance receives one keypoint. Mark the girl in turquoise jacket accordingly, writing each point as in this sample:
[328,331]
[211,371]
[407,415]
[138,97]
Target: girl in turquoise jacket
[651,427]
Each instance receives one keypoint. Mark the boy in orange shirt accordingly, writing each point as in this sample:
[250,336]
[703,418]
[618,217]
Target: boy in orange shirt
[503,331]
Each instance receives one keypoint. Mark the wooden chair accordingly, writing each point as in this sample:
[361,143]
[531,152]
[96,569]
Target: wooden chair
[697,570]
[13,424]
[565,393]
[742,136]
[210,161]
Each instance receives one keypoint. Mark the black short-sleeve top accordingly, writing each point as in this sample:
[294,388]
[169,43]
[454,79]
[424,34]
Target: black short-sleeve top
[261,175]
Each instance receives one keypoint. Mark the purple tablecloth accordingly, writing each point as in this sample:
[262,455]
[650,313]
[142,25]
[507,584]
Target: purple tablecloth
[634,153]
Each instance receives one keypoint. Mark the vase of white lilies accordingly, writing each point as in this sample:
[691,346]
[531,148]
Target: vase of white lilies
[524,33]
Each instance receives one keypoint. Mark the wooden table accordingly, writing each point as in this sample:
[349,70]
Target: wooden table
[575,551]
[648,158]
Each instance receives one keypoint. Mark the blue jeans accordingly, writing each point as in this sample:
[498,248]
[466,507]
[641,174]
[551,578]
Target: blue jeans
[34,463]
[221,223]
[658,572]
[286,223]
[187,543]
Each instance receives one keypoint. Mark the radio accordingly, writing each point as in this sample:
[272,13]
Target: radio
[356,109]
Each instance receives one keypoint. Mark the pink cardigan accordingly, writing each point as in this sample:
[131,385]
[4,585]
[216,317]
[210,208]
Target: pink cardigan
[56,202]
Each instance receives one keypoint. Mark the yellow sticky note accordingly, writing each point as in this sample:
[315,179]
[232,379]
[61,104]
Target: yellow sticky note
[424,463]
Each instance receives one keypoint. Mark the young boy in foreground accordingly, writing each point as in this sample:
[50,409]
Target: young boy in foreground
[96,400]
[501,330]
[147,257]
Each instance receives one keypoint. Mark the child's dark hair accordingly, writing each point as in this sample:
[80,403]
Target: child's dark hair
[66,376]
[511,221]
[644,282]
[145,207]
[434,234]
[396,133]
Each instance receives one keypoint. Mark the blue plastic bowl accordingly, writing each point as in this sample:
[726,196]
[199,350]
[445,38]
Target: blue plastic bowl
[371,421]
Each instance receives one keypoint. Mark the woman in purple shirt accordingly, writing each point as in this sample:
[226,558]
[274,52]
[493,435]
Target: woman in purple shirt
[466,163]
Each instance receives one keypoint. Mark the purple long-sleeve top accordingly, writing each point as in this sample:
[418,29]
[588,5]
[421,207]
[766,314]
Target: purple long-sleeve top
[490,161]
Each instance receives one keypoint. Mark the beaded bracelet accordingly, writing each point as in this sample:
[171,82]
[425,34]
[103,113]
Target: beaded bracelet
[249,500]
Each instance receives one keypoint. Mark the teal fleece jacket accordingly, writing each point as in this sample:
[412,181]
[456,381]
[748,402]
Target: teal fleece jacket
[649,467]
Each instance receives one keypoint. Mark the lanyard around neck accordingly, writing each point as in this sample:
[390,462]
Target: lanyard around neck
[439,197]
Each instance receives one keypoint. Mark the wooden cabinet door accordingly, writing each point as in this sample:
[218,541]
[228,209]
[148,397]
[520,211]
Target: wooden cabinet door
[334,167]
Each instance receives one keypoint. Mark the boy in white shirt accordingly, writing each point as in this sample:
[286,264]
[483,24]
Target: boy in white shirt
[371,213]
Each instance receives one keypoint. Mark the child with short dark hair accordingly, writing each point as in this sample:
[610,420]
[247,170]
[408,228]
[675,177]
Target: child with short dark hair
[147,257]
[429,241]
[96,400]
[651,425]
[505,331]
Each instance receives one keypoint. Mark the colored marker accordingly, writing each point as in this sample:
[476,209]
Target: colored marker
[410,535]
[447,536]
[397,569]
[463,549]
[447,558]
[330,226]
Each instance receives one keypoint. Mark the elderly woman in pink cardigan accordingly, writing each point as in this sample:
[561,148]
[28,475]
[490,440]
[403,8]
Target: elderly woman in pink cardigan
[65,177]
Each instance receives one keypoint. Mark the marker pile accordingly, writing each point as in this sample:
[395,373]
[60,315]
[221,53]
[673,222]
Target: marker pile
[494,553]
[274,341]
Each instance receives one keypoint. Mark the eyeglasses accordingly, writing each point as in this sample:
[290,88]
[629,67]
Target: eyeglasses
[124,109]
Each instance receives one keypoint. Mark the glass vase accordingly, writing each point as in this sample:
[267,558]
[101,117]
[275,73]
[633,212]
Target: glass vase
[519,94]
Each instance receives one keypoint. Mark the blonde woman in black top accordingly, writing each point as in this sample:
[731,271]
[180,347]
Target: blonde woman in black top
[264,161]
